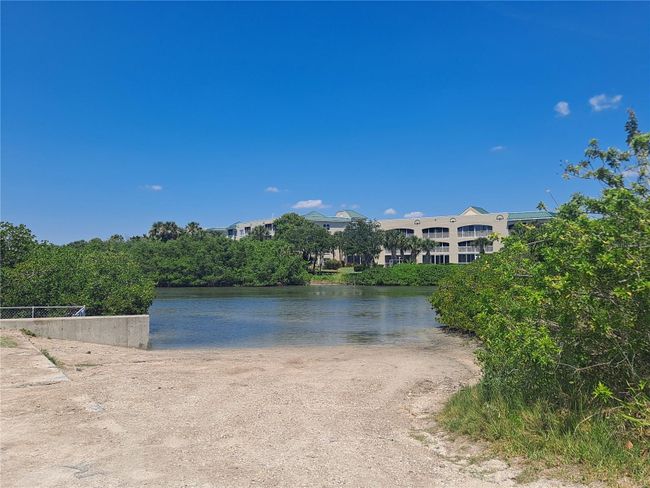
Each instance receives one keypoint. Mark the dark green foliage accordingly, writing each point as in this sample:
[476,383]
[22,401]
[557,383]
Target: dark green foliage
[332,264]
[218,261]
[304,237]
[107,282]
[403,274]
[563,311]
[362,238]
[16,242]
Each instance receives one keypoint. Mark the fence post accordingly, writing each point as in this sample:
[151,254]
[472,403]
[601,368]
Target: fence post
[32,312]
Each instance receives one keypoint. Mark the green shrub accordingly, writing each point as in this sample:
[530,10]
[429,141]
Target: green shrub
[563,310]
[402,274]
[107,282]
[332,264]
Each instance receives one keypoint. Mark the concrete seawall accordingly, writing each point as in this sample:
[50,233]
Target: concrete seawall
[117,330]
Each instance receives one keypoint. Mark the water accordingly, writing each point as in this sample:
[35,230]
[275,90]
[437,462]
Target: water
[300,315]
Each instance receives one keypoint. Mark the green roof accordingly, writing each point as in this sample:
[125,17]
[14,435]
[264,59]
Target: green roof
[534,215]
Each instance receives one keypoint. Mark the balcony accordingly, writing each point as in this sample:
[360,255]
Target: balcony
[475,249]
[474,233]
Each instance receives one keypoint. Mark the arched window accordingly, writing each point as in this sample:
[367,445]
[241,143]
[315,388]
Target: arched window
[435,232]
[406,232]
[476,230]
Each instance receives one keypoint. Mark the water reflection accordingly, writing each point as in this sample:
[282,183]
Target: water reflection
[311,315]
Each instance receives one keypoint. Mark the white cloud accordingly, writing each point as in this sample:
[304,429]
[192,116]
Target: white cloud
[153,187]
[272,189]
[309,204]
[562,109]
[603,102]
[413,215]
[390,211]
[497,148]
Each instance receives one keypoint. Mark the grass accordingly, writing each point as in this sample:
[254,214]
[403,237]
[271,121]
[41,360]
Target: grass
[54,360]
[557,442]
[27,332]
[336,277]
[7,342]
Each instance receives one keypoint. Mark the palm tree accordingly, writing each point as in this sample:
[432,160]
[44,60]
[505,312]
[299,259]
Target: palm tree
[402,245]
[392,242]
[165,231]
[414,244]
[193,229]
[427,246]
[482,243]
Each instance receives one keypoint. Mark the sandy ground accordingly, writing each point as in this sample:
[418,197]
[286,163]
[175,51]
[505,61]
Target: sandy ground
[355,416]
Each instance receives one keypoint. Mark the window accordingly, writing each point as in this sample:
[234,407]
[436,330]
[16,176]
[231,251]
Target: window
[327,226]
[435,232]
[441,259]
[466,258]
[477,230]
[406,232]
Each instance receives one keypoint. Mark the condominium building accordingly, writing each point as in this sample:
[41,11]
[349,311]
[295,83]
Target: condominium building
[455,235]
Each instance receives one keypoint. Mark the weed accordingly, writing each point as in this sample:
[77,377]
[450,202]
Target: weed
[7,342]
[574,444]
[28,332]
[52,359]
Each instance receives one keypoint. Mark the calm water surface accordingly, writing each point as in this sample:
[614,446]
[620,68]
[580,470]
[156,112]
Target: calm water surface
[301,315]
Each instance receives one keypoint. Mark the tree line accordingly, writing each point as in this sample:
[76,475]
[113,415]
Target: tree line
[118,275]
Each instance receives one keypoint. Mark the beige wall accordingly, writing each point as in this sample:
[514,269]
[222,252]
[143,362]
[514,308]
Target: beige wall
[498,221]
[117,330]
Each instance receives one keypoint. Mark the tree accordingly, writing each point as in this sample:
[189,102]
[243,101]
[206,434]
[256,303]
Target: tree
[402,245]
[414,245]
[392,242]
[193,229]
[260,233]
[107,282]
[16,243]
[303,236]
[427,246]
[362,238]
[482,243]
[165,231]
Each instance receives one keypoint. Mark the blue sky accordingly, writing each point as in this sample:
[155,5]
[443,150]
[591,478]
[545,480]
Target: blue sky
[115,115]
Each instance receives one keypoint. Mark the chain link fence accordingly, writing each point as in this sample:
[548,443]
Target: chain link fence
[42,312]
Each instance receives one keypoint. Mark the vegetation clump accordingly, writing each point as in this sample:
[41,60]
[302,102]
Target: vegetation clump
[7,342]
[563,314]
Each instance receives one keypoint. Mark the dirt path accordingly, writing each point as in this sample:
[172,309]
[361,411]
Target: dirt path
[319,416]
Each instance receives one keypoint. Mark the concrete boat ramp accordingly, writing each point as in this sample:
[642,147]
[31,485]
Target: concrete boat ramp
[24,365]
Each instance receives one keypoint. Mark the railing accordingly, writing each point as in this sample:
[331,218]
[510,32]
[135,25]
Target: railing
[435,235]
[36,312]
[474,233]
[474,249]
